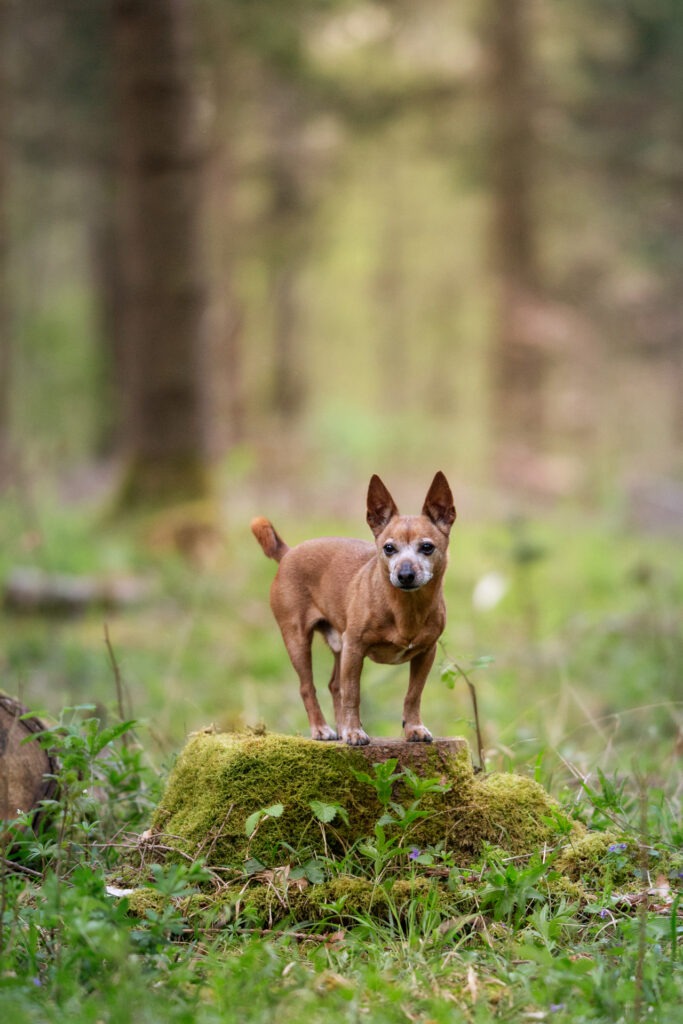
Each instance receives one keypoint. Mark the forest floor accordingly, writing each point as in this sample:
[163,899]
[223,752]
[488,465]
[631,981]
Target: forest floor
[569,628]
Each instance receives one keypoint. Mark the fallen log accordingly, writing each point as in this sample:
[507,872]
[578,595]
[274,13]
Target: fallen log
[31,591]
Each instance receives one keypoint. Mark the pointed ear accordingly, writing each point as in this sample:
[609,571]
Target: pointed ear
[439,505]
[381,506]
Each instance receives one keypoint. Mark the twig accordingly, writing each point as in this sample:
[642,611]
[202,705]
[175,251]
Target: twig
[473,695]
[638,1001]
[13,866]
[263,932]
[214,839]
[118,680]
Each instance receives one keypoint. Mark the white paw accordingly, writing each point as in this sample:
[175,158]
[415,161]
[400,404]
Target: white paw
[355,737]
[418,734]
[323,732]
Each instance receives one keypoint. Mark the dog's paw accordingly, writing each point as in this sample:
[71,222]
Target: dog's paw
[418,734]
[355,737]
[323,732]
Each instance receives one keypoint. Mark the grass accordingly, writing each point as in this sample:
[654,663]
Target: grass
[585,647]
[583,693]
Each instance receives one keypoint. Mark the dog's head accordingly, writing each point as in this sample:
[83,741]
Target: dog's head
[413,549]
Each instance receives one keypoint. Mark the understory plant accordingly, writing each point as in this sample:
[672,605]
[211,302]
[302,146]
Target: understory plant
[398,928]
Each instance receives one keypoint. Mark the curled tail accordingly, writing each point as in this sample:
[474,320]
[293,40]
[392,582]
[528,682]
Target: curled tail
[269,539]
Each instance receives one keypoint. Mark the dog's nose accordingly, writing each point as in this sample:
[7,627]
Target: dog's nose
[406,575]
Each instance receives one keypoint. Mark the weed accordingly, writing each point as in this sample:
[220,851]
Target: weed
[511,889]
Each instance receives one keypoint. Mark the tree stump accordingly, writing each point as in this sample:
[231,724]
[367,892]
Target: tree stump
[26,769]
[417,756]
[297,830]
[221,781]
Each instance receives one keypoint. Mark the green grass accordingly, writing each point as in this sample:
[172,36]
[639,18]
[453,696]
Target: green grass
[584,688]
[522,948]
[586,645]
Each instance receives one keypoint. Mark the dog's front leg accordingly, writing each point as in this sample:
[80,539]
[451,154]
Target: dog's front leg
[350,728]
[420,665]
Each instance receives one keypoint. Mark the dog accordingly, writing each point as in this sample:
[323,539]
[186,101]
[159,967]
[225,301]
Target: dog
[382,601]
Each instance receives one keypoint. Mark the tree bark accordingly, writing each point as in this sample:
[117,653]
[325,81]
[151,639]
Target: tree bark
[287,244]
[228,389]
[390,282]
[519,360]
[5,316]
[227,396]
[161,163]
[106,269]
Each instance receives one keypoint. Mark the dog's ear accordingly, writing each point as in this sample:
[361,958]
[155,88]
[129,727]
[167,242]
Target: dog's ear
[381,506]
[439,505]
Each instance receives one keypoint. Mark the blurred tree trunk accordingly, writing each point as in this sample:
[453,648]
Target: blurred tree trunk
[106,270]
[226,384]
[161,164]
[390,289]
[227,395]
[287,242]
[519,361]
[5,315]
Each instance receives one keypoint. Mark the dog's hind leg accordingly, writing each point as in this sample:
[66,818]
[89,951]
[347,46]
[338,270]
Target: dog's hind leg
[299,649]
[335,689]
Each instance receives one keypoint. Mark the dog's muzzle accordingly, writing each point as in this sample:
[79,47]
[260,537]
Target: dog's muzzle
[406,577]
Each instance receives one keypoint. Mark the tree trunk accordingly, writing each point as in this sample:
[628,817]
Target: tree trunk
[160,169]
[287,245]
[519,360]
[5,317]
[228,389]
[106,269]
[390,282]
[227,394]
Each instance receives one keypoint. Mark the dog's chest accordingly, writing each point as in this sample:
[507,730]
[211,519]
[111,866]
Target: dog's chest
[402,638]
[401,648]
[394,654]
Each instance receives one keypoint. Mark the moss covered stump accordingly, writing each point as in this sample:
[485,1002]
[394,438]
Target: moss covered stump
[221,781]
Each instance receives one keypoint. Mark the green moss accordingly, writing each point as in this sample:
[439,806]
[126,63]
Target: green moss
[504,810]
[601,860]
[560,887]
[344,901]
[220,780]
[142,900]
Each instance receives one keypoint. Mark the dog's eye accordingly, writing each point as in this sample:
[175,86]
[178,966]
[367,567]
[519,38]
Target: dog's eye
[389,549]
[427,548]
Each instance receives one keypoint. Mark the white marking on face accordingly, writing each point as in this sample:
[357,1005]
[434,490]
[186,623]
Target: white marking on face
[410,563]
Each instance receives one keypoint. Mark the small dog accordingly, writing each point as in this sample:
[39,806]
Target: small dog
[381,601]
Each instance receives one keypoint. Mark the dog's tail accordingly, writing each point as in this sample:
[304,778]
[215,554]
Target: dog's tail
[269,539]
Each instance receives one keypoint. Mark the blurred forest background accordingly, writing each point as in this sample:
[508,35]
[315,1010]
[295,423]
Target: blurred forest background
[388,233]
[258,250]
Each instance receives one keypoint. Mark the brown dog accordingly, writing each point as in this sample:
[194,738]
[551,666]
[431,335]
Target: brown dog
[382,601]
